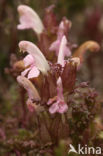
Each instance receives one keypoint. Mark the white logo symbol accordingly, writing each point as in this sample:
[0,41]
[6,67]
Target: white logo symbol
[72,149]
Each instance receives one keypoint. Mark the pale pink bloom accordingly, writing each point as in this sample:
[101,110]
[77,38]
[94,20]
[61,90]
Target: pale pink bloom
[29,19]
[56,44]
[36,60]
[29,87]
[59,105]
[28,60]
[32,71]
[61,54]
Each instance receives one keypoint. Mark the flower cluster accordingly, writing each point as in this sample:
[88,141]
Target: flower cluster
[49,72]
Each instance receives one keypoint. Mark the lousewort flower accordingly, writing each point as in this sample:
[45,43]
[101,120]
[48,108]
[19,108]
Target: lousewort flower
[35,61]
[29,19]
[88,45]
[30,88]
[58,104]
[33,95]
[61,32]
[61,55]
[59,76]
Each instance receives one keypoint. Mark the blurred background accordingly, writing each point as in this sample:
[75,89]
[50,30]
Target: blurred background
[87,24]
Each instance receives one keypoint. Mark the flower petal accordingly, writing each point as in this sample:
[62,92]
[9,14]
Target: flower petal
[25,71]
[54,108]
[40,60]
[34,72]
[67,51]
[63,107]
[28,60]
[60,89]
[55,46]
[29,19]
[32,91]
[51,100]
[61,51]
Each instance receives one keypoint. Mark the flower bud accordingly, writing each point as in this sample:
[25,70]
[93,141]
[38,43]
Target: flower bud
[30,88]
[89,45]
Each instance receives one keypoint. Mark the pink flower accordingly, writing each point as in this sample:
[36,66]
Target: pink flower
[32,92]
[29,87]
[35,61]
[29,19]
[32,70]
[59,105]
[56,44]
[61,55]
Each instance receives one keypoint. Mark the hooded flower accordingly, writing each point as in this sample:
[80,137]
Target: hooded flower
[56,44]
[29,87]
[34,61]
[33,95]
[88,45]
[58,105]
[29,19]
